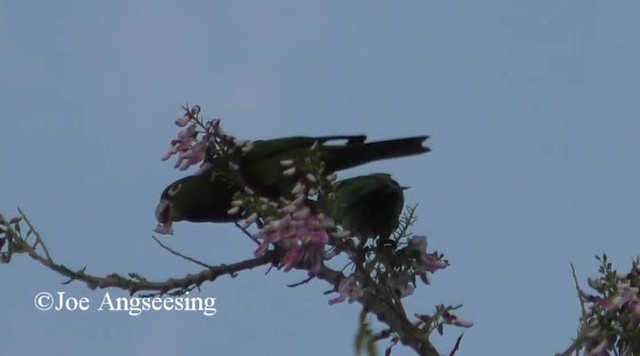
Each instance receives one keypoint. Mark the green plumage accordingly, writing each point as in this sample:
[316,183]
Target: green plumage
[262,171]
[205,199]
[368,205]
[200,198]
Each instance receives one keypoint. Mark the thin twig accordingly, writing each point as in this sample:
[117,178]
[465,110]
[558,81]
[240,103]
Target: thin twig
[37,235]
[247,233]
[457,346]
[305,281]
[176,253]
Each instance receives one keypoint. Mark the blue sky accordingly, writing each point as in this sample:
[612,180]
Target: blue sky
[532,108]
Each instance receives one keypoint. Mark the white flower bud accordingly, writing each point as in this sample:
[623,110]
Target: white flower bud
[298,189]
[183,121]
[289,209]
[296,223]
[237,203]
[249,191]
[299,200]
[315,145]
[286,162]
[233,166]
[302,213]
[173,149]
[284,222]
[213,124]
[332,177]
[311,178]
[341,234]
[252,218]
[233,211]
[240,143]
[289,172]
[184,164]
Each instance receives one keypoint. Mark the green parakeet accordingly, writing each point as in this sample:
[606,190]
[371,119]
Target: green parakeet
[367,205]
[204,198]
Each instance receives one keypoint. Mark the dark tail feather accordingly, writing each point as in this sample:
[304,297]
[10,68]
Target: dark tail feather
[349,156]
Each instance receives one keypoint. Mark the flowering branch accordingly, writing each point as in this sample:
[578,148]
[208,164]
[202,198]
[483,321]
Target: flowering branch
[13,241]
[381,269]
[610,319]
[296,229]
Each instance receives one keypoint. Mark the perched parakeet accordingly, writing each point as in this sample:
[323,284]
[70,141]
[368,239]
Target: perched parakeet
[207,198]
[367,205]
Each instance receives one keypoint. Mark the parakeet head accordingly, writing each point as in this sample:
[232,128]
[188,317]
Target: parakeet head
[198,198]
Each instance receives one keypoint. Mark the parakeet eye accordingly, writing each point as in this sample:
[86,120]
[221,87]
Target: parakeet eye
[174,189]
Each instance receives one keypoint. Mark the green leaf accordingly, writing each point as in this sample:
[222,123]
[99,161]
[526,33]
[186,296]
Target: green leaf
[364,337]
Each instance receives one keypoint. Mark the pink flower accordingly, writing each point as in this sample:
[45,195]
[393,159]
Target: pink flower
[182,144]
[425,262]
[349,290]
[626,295]
[461,322]
[401,284]
[187,133]
[454,320]
[173,149]
[184,120]
[191,156]
[301,234]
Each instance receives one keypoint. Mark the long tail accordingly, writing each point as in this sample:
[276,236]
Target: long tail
[352,155]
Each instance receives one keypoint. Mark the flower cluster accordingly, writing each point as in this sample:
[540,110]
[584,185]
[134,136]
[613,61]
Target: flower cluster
[292,222]
[202,142]
[350,289]
[413,261]
[289,224]
[613,319]
[302,234]
[425,262]
[190,150]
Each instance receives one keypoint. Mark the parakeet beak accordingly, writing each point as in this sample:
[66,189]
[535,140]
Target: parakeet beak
[162,215]
[162,211]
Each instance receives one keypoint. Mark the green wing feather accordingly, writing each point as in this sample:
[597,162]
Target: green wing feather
[261,167]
